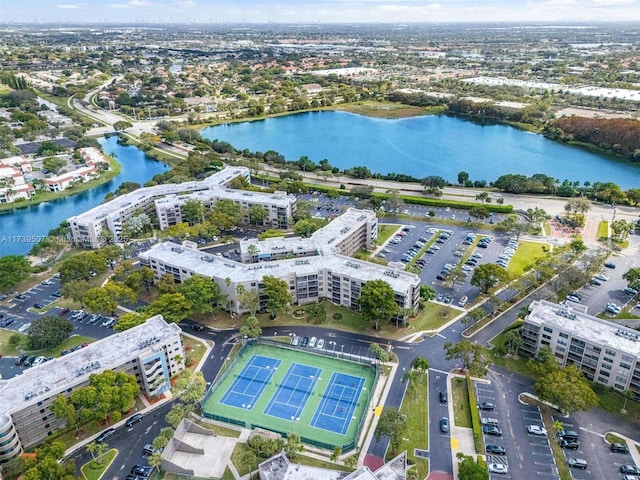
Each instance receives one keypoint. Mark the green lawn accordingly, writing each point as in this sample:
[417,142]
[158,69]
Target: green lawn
[525,256]
[94,471]
[432,317]
[611,438]
[8,350]
[461,408]
[603,229]
[419,255]
[19,348]
[194,350]
[415,406]
[385,230]
[4,89]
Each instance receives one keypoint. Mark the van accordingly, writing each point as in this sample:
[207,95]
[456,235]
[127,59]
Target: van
[568,435]
[133,419]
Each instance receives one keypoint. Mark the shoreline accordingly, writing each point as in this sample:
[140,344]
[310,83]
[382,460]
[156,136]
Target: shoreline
[114,170]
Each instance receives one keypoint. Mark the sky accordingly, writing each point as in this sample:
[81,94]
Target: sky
[317,11]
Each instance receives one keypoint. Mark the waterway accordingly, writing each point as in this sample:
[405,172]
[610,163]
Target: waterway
[423,146]
[21,228]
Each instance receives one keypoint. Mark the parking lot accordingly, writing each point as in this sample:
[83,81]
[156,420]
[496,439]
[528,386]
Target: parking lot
[528,456]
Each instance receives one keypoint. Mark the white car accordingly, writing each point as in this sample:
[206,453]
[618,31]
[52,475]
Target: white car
[602,277]
[498,468]
[320,344]
[24,327]
[536,430]
[312,342]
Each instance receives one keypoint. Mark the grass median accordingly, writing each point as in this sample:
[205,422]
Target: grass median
[415,406]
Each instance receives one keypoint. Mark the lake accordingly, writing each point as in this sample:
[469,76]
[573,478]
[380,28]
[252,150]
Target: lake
[423,146]
[20,229]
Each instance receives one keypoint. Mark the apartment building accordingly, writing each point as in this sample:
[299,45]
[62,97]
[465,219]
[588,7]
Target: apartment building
[152,352]
[279,207]
[606,353]
[13,185]
[87,228]
[335,277]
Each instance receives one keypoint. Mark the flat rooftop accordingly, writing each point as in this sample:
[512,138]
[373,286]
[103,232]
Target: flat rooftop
[221,267]
[585,326]
[336,230]
[280,199]
[148,193]
[61,373]
[275,245]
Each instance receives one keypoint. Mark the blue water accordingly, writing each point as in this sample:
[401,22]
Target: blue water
[422,146]
[21,228]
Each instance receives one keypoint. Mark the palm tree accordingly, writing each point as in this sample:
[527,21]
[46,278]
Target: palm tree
[92,448]
[628,395]
[421,364]
[155,460]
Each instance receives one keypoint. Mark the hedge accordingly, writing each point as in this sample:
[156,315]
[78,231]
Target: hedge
[475,417]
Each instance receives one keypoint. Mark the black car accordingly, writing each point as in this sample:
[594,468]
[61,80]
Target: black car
[486,406]
[495,450]
[198,327]
[610,265]
[20,360]
[569,444]
[619,448]
[107,434]
[28,361]
[142,470]
[492,430]
[133,419]
[5,322]
[304,342]
[39,305]
[443,396]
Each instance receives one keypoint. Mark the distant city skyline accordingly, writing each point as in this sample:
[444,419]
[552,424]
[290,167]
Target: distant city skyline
[316,11]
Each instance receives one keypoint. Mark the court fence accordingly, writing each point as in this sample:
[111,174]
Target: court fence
[310,441]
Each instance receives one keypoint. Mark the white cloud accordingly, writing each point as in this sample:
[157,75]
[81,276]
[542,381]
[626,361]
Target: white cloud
[69,6]
[185,4]
[131,4]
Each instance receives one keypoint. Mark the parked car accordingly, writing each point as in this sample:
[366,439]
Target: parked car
[198,327]
[632,469]
[486,406]
[443,396]
[312,342]
[610,265]
[536,430]
[495,450]
[133,419]
[569,444]
[304,342]
[39,306]
[498,468]
[577,463]
[295,340]
[142,470]
[492,430]
[619,448]
[320,344]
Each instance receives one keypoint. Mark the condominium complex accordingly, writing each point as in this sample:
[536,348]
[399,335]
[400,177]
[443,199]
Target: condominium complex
[87,228]
[606,353]
[151,351]
[311,267]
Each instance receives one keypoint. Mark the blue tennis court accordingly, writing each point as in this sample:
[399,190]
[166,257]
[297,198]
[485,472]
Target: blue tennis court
[338,403]
[293,392]
[250,382]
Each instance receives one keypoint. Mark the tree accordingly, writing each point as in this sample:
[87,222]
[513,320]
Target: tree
[48,464]
[512,225]
[483,197]
[53,164]
[577,245]
[391,424]
[632,276]
[377,302]
[335,455]
[421,364]
[277,292]
[513,340]
[193,211]
[249,300]
[249,459]
[544,362]
[479,213]
[568,389]
[257,215]
[107,298]
[48,332]
[306,226]
[427,292]
[190,387]
[63,408]
[75,290]
[487,275]
[167,284]
[317,312]
[470,469]
[470,355]
[130,320]
[380,353]
[121,125]
[463,178]
[14,269]
[202,292]
[82,266]
[293,445]
[251,328]
[173,307]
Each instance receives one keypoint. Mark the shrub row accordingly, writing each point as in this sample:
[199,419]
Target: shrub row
[475,417]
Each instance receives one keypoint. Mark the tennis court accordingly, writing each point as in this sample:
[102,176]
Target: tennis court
[338,403]
[294,391]
[250,382]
